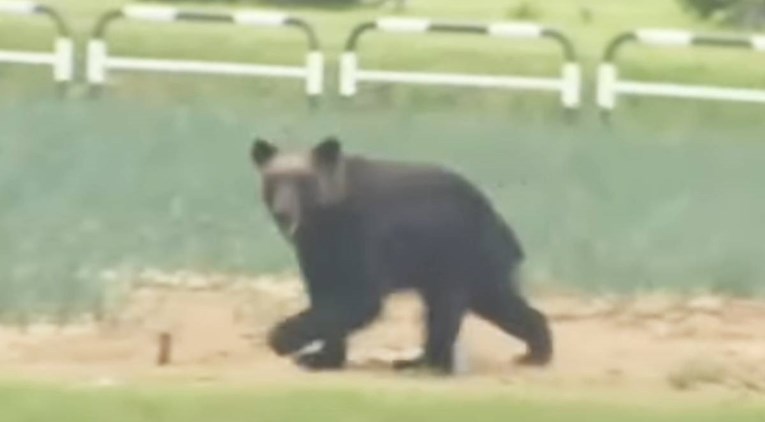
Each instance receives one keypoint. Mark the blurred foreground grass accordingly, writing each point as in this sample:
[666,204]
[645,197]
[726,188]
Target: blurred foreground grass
[35,403]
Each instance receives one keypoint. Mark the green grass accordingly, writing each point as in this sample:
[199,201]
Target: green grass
[122,185]
[204,404]
[155,174]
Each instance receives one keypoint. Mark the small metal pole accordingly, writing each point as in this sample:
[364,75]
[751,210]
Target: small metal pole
[165,345]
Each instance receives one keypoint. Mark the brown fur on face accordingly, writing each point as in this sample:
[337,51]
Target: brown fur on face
[295,184]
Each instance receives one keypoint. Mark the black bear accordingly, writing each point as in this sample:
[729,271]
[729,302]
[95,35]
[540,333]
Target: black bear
[363,228]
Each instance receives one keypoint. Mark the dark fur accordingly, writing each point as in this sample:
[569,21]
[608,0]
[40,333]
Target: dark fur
[405,226]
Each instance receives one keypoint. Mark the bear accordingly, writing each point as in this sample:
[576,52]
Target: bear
[363,228]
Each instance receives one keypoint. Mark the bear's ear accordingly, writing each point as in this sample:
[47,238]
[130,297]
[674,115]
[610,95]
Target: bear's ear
[327,152]
[262,152]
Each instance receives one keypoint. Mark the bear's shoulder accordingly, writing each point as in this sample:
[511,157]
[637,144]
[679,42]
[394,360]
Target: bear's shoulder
[382,184]
[395,173]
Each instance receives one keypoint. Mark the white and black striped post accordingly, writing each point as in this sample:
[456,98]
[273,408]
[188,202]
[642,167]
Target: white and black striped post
[61,59]
[568,84]
[610,86]
[100,62]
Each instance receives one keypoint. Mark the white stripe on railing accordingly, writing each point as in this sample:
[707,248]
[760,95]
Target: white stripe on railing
[403,25]
[572,75]
[695,92]
[607,74]
[96,72]
[63,70]
[315,73]
[201,67]
[515,30]
[460,80]
[150,13]
[665,37]
[23,57]
[257,18]
[349,66]
[18,7]
[758,42]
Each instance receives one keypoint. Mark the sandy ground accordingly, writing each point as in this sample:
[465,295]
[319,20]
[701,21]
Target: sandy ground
[657,343]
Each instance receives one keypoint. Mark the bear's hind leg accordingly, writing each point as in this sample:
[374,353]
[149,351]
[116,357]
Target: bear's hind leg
[445,310]
[511,313]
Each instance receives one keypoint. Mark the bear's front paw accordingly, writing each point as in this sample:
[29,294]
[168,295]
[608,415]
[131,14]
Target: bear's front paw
[287,337]
[321,360]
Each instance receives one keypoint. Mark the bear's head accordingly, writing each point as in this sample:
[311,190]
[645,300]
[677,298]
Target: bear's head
[296,185]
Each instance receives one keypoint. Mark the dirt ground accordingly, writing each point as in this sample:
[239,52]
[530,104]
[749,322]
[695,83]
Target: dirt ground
[218,323]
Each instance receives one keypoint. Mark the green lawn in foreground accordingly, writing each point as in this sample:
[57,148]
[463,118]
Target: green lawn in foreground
[45,404]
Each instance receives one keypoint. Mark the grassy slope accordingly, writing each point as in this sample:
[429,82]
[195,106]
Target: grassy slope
[113,185]
[32,404]
[667,200]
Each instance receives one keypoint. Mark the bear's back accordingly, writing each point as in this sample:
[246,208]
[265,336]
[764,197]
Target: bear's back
[375,179]
[426,215]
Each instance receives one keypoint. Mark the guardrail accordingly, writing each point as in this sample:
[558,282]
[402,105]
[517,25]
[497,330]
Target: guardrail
[100,62]
[568,84]
[610,86]
[61,59]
